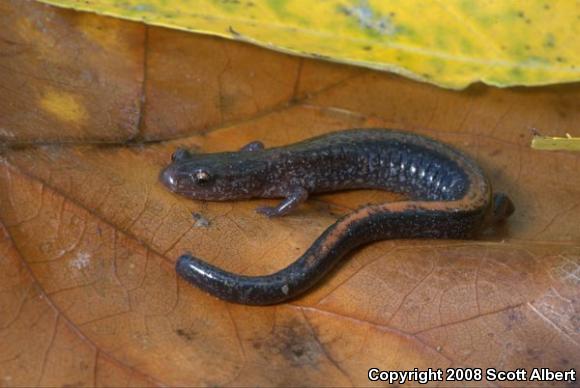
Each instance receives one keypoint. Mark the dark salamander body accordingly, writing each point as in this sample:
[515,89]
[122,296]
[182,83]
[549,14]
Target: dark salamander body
[449,197]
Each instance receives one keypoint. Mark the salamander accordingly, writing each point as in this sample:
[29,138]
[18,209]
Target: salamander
[449,197]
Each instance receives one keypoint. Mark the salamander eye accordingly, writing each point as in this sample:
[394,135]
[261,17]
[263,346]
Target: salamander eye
[180,154]
[201,177]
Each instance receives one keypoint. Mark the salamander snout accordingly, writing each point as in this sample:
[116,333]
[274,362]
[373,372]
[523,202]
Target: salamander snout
[503,207]
[168,178]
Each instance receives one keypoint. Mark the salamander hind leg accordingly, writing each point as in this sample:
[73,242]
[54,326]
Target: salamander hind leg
[296,197]
[503,207]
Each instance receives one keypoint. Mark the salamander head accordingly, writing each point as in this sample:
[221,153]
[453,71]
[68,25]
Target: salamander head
[215,177]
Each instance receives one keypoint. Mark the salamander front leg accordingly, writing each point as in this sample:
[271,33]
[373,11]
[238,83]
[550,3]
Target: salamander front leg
[253,146]
[296,197]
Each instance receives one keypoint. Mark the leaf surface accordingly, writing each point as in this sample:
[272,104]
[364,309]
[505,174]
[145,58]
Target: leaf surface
[453,43]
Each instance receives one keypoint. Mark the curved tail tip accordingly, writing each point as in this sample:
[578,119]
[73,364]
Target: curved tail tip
[184,266]
[256,290]
[181,260]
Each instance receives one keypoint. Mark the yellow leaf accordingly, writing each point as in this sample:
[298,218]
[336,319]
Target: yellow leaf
[450,43]
[549,143]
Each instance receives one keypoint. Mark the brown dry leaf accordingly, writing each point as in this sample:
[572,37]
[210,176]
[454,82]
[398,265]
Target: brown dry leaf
[88,294]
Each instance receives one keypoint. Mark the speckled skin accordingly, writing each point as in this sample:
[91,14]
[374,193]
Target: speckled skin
[449,197]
